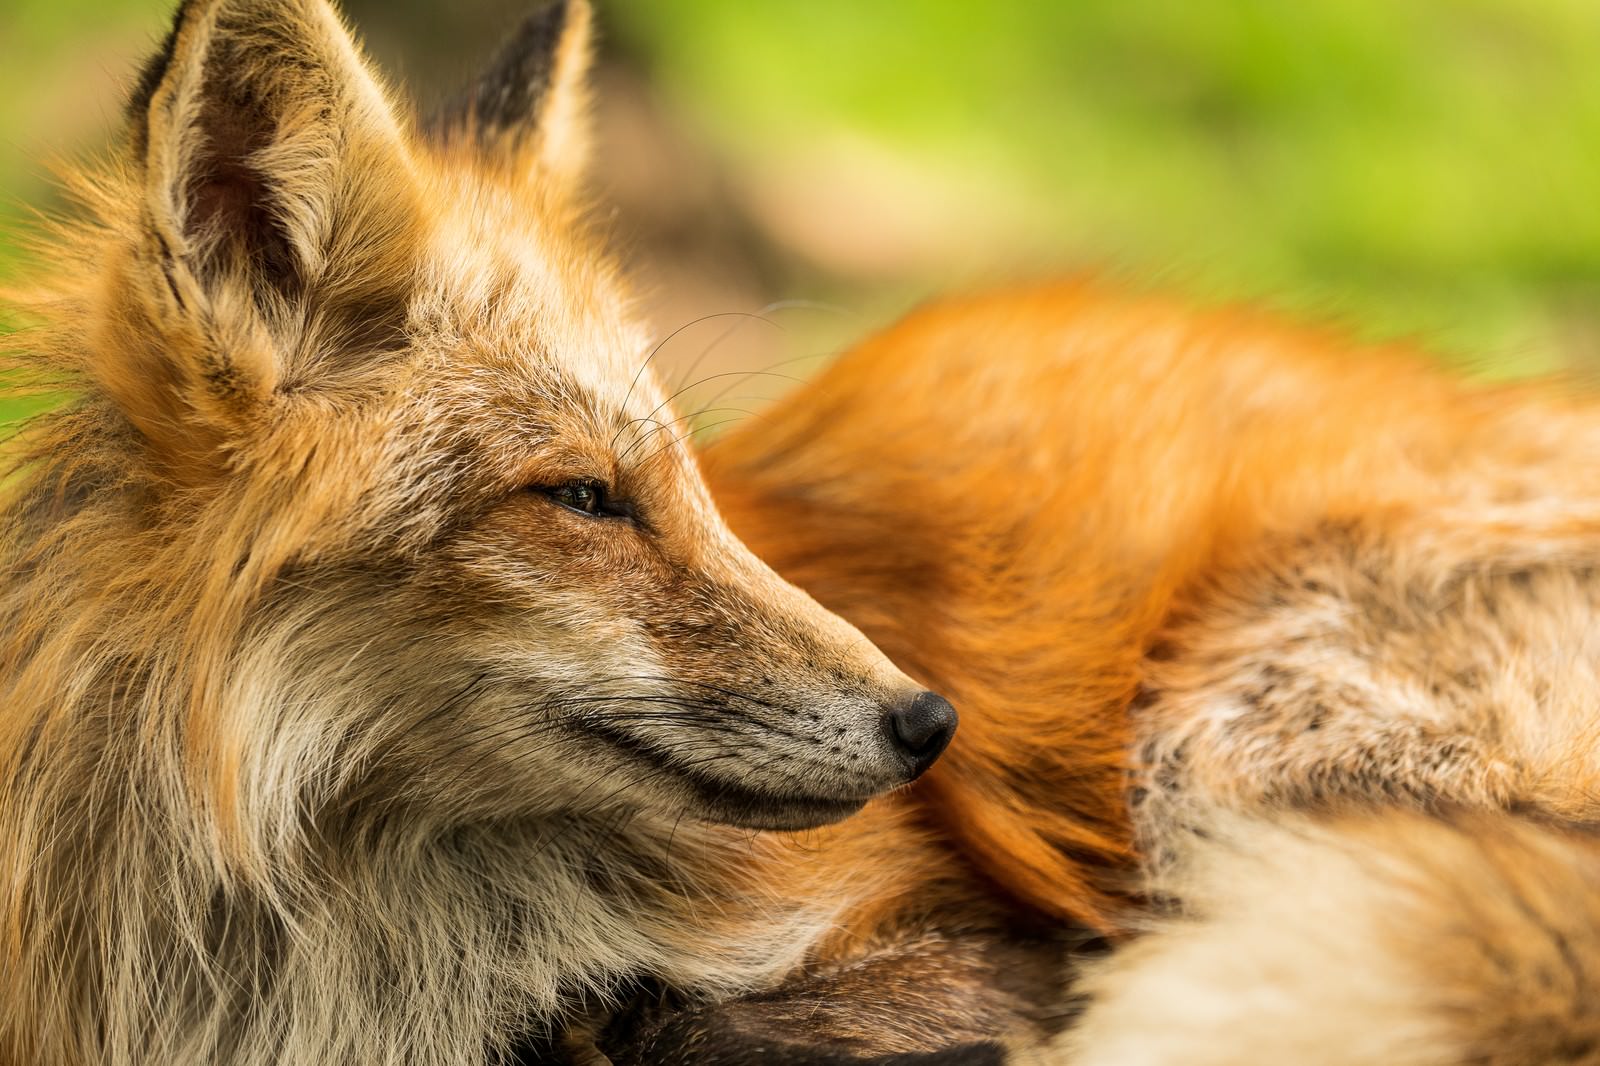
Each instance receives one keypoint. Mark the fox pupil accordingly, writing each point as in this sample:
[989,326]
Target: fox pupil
[585,496]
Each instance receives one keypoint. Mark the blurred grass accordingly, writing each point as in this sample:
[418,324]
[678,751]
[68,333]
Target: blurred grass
[64,65]
[1421,167]
[1417,166]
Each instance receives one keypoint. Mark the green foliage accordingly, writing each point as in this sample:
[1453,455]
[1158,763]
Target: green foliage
[61,65]
[1417,165]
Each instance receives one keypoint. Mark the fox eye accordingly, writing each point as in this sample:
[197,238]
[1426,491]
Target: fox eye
[586,496]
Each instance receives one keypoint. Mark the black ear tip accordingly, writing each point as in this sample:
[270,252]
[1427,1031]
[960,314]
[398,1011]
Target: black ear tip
[511,92]
[538,38]
[511,88]
[555,10]
[150,77]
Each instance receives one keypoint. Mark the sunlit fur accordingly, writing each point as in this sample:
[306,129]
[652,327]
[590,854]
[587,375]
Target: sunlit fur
[328,734]
[1225,567]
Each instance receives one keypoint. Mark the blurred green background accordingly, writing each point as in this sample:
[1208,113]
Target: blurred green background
[1417,168]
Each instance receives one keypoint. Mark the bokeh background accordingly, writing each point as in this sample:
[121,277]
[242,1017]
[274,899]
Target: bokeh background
[1425,169]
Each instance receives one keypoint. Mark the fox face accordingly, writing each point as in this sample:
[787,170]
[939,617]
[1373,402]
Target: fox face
[398,471]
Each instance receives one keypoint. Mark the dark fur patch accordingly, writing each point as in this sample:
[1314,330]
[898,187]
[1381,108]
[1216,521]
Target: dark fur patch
[775,1052]
[928,1000]
[150,78]
[508,98]
[778,1052]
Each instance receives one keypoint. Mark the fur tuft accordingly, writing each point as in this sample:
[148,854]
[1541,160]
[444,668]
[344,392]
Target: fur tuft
[1392,938]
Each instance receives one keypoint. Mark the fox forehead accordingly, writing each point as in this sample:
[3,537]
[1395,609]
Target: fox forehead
[519,364]
[519,303]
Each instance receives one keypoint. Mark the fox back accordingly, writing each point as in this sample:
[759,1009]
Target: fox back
[1212,571]
[1247,562]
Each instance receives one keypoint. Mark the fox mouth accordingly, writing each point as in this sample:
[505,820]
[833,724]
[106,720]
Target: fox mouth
[749,808]
[729,803]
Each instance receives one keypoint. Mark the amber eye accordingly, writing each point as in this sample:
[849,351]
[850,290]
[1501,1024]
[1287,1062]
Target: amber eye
[586,496]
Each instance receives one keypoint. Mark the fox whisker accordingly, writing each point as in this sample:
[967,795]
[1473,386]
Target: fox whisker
[743,375]
[655,350]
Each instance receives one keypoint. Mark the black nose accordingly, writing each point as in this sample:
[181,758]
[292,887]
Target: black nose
[921,729]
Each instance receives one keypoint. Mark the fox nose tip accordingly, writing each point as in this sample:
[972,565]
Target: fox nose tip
[920,729]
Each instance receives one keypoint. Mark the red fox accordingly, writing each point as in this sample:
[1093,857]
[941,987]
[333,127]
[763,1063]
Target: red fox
[382,683]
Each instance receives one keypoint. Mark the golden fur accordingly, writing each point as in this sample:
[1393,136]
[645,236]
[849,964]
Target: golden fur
[331,734]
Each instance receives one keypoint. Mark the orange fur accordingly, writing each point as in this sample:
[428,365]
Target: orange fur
[1013,494]
[1236,564]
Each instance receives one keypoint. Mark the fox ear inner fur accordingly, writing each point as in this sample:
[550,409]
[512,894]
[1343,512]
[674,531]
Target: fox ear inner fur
[258,120]
[271,224]
[528,112]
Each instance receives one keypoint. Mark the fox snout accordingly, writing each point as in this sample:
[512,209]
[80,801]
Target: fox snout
[920,729]
[796,769]
[825,722]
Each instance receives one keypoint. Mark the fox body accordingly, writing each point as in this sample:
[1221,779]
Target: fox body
[1333,612]
[1301,571]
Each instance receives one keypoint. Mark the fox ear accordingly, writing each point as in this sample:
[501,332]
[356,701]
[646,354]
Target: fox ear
[529,112]
[271,171]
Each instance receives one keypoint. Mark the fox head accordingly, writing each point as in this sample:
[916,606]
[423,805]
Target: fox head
[387,487]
